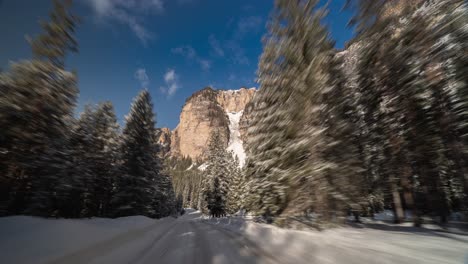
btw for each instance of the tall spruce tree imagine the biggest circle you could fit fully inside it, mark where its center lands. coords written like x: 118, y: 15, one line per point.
x: 37, y: 102
x: 234, y: 197
x: 286, y: 138
x: 59, y: 38
x: 410, y: 90
x: 215, y: 185
x: 96, y: 156
x: 107, y: 157
x: 138, y: 184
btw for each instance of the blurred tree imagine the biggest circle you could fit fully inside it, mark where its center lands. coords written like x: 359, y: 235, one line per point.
x: 410, y: 90
x: 58, y: 38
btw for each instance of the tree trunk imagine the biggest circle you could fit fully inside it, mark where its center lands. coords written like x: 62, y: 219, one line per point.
x: 397, y: 206
x: 408, y: 194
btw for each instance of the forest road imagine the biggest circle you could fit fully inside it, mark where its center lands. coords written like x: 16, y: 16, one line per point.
x: 172, y: 241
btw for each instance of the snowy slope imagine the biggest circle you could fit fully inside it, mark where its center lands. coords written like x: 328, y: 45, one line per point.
x: 235, y: 142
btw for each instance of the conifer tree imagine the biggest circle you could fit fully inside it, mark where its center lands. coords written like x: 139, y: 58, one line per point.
x: 285, y: 137
x: 37, y: 105
x: 58, y: 38
x: 234, y: 198
x: 107, y: 157
x: 410, y: 90
x: 37, y: 102
x: 215, y: 185
x: 138, y: 184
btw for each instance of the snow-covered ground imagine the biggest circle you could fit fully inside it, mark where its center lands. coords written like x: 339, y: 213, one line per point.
x: 195, y: 239
x: 235, y: 142
x: 126, y: 240
x: 25, y: 239
x: 386, y: 244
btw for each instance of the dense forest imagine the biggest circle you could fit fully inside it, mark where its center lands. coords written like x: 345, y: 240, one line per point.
x: 380, y: 125
x: 55, y: 165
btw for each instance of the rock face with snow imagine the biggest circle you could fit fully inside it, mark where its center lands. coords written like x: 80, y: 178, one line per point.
x: 207, y: 111
x: 235, y: 100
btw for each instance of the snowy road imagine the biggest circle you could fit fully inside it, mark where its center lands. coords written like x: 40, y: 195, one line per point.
x: 184, y: 240
x: 193, y: 239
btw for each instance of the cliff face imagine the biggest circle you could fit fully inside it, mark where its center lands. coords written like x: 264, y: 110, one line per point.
x: 245, y: 121
x: 204, y: 112
x: 235, y: 100
x: 164, y: 140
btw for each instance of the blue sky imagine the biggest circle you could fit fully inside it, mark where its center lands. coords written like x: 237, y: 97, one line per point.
x: 171, y: 47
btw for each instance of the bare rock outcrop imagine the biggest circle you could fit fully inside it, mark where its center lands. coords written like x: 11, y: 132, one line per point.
x: 203, y: 113
x: 164, y: 140
x: 235, y: 100
x: 201, y: 116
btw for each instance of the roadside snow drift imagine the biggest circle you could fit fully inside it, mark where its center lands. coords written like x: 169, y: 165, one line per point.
x: 406, y: 245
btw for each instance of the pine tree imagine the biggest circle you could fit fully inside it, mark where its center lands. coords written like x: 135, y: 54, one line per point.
x: 95, y: 143
x: 37, y: 101
x: 215, y: 184
x: 234, y: 198
x: 59, y: 35
x: 285, y: 137
x: 74, y: 191
x: 138, y: 184
x: 410, y: 90
x: 339, y: 118
x: 107, y: 157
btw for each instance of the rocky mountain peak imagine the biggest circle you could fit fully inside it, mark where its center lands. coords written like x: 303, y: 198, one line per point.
x: 206, y: 111
x: 234, y: 101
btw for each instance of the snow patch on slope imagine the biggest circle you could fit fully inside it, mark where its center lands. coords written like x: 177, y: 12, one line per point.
x: 237, y: 91
x: 235, y: 142
x: 203, y: 167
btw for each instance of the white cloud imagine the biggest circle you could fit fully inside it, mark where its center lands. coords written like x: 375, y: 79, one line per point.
x: 142, y: 77
x: 190, y: 53
x: 128, y: 12
x: 170, y: 76
x: 216, y: 46
x: 172, y: 83
x: 172, y: 89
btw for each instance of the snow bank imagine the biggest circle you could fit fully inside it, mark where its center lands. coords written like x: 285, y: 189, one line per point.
x: 25, y: 239
x: 235, y: 142
x: 203, y: 167
x: 351, y: 245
